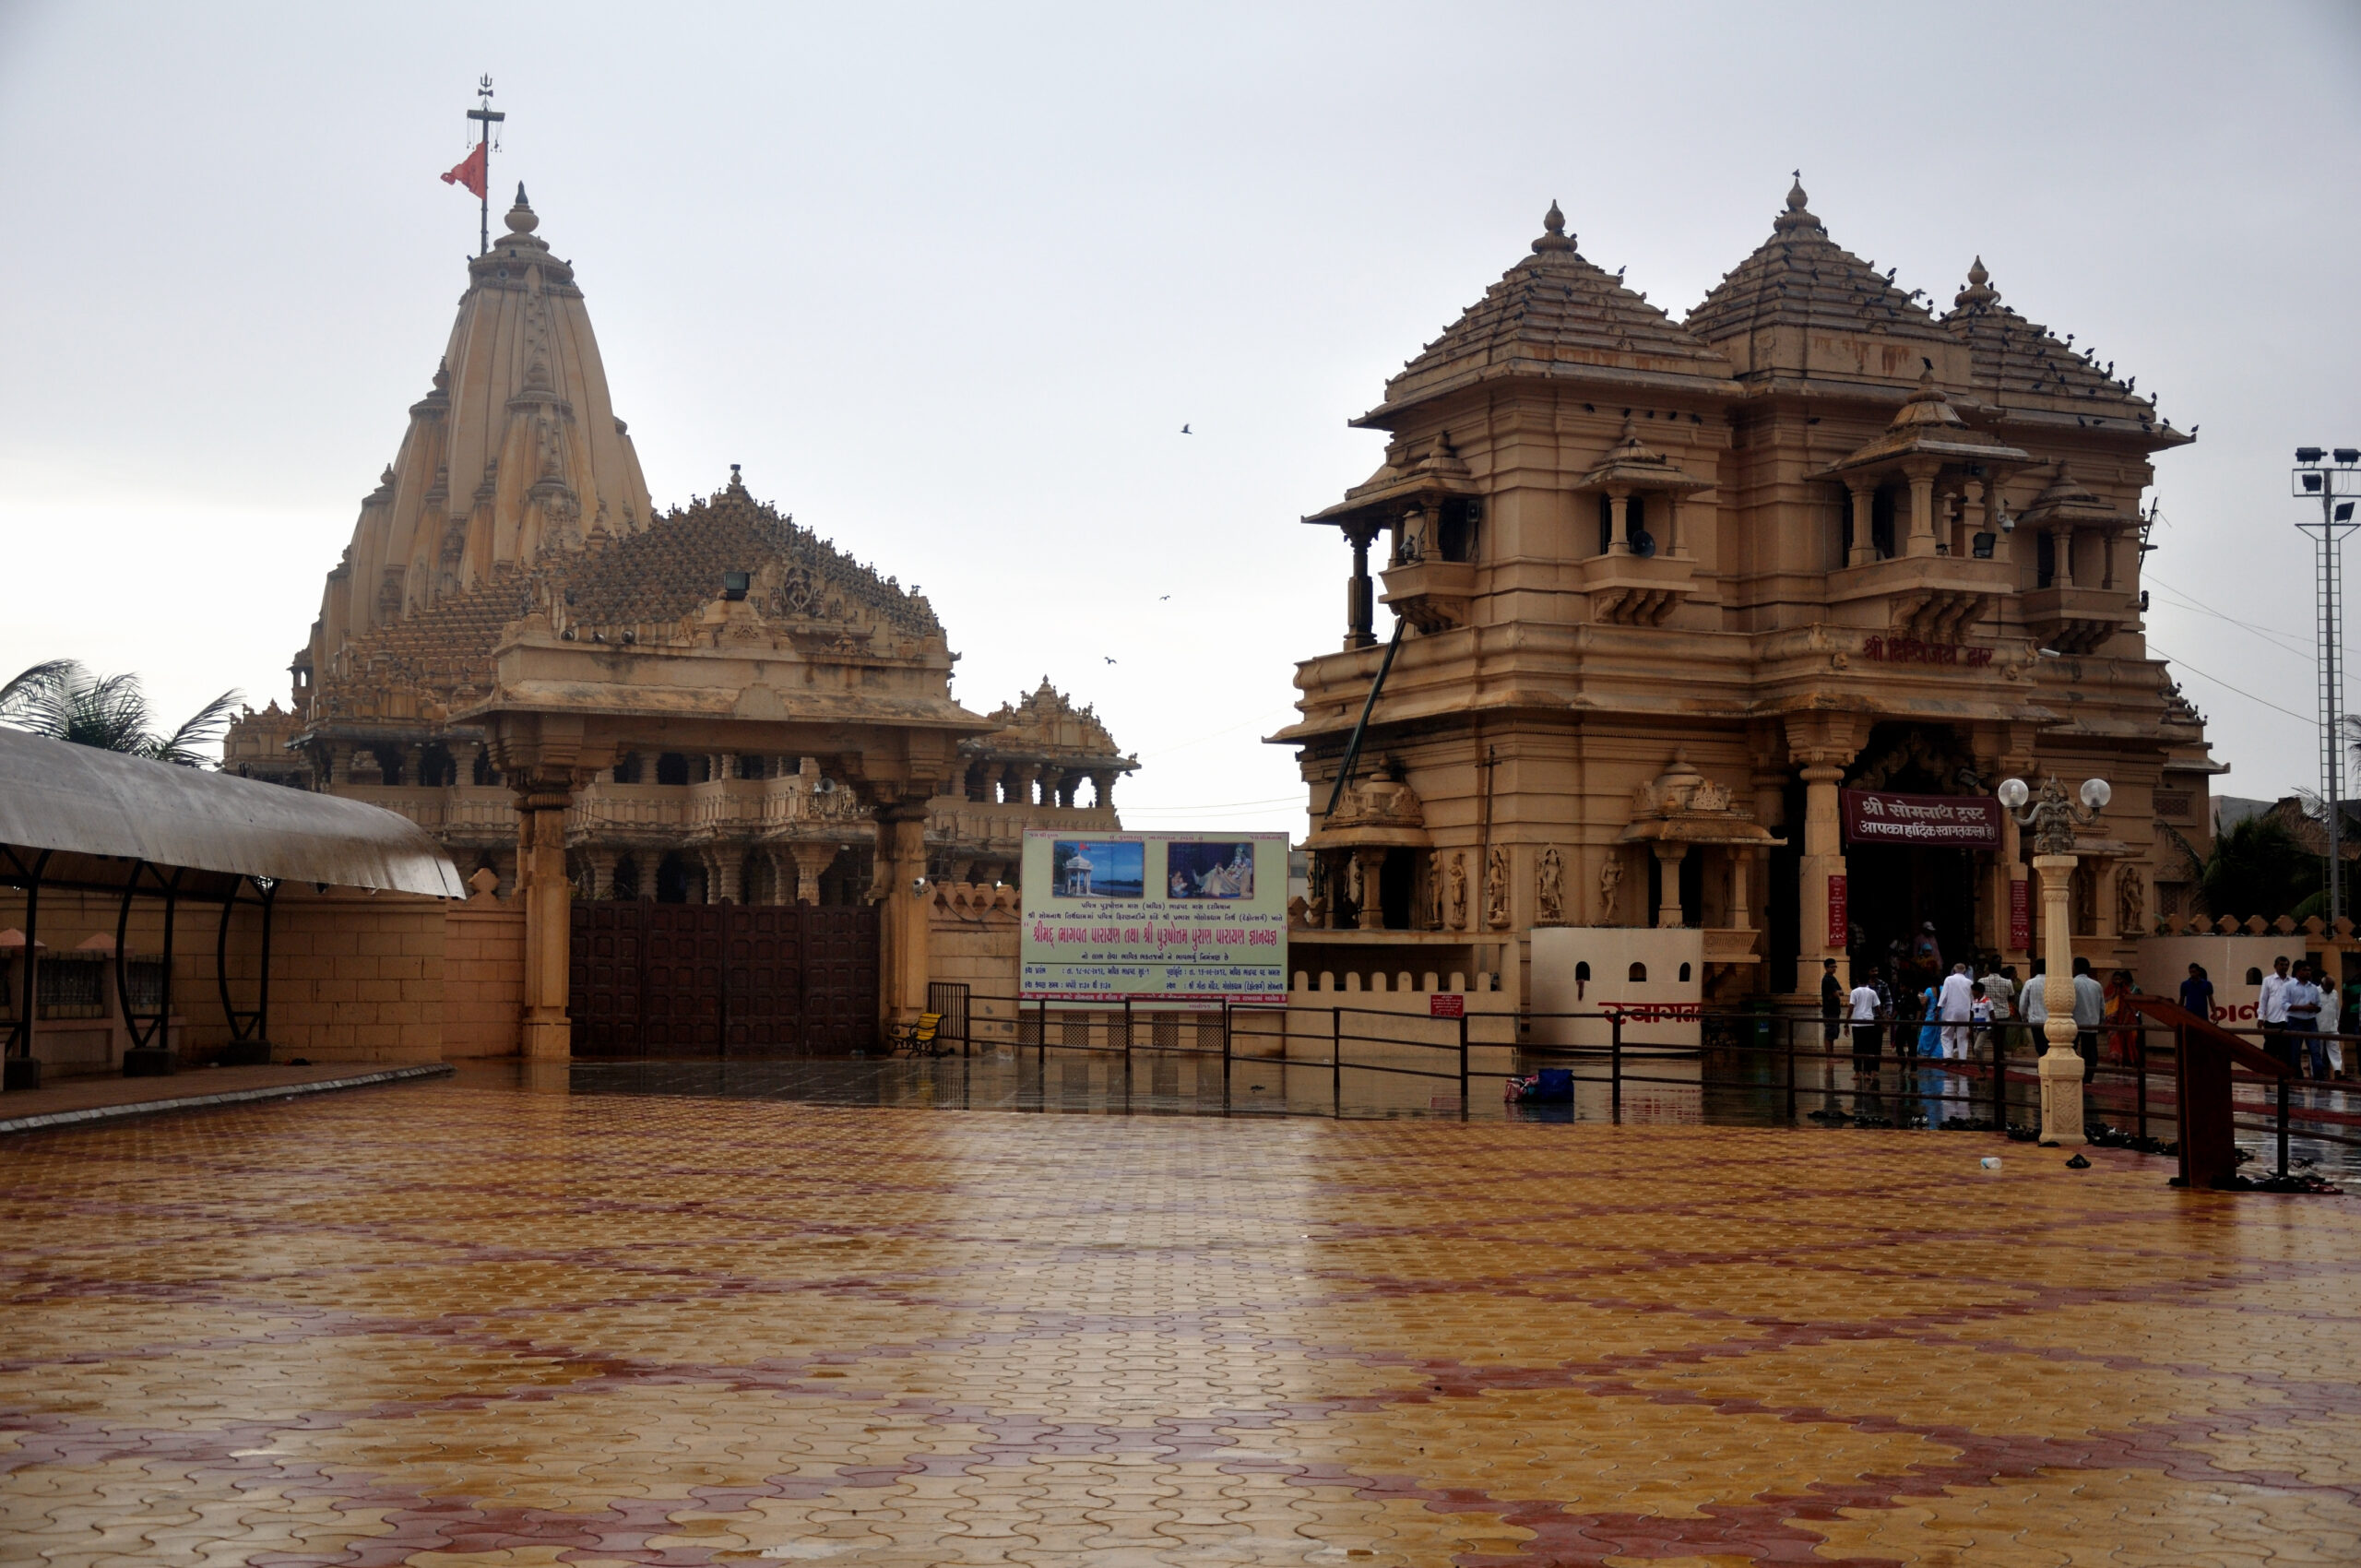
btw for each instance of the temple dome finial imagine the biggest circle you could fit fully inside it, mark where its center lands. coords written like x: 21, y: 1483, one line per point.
x: 1979, y: 289
x: 1797, y: 215
x: 521, y: 218
x: 1555, y: 238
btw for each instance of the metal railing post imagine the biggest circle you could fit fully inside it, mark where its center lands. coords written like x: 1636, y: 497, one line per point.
x: 1462, y: 1064
x: 2282, y: 1126
x: 2139, y: 1065
x: 1224, y: 1055
x: 1336, y: 1062
x: 1615, y: 1066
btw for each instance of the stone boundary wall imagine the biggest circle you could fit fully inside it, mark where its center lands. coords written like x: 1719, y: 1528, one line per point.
x: 483, y: 977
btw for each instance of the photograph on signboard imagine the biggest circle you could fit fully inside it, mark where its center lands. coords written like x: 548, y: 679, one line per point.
x: 1209, y: 868
x: 1099, y: 868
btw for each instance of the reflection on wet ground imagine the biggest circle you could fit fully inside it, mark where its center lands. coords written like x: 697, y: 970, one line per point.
x: 1715, y: 1088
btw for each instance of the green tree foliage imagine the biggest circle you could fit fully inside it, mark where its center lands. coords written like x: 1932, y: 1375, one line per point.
x: 61, y: 700
x: 2257, y: 868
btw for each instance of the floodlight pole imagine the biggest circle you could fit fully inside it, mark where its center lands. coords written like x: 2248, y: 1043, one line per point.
x: 2336, y: 488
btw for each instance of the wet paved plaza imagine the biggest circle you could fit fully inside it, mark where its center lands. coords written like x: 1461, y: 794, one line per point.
x: 473, y: 1322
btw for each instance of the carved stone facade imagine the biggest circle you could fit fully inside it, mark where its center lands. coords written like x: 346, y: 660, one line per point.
x: 1813, y: 536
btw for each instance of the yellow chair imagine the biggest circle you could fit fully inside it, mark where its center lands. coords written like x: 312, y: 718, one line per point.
x: 920, y: 1036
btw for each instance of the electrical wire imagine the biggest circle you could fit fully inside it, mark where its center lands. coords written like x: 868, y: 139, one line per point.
x: 2239, y: 691
x: 2266, y: 633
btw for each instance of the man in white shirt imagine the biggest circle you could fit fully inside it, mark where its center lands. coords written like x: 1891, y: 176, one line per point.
x: 1862, y: 1007
x: 2302, y: 1000
x: 2090, y: 1012
x: 2270, y: 1009
x: 2332, y: 1013
x: 1955, y: 1003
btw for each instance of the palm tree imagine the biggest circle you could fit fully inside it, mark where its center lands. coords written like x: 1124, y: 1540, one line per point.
x: 2257, y: 868
x: 63, y: 700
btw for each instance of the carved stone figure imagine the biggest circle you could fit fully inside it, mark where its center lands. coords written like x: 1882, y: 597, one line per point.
x: 1456, y: 916
x: 1549, y: 888
x: 1496, y: 889
x: 2131, y: 901
x: 1610, y: 888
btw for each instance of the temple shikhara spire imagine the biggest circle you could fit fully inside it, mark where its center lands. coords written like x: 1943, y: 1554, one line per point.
x: 513, y: 531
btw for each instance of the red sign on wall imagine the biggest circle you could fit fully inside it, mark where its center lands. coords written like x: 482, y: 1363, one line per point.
x: 2019, y: 915
x: 1447, y: 1004
x: 1840, y: 915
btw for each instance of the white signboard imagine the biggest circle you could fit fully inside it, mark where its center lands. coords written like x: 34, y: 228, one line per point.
x: 1174, y: 919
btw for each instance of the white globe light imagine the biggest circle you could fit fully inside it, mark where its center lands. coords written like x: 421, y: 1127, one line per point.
x: 2013, y: 793
x: 2096, y: 792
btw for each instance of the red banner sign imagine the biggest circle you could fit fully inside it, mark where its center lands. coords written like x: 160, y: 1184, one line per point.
x: 1840, y: 915
x: 1447, y: 1004
x: 1954, y: 821
x: 2019, y: 915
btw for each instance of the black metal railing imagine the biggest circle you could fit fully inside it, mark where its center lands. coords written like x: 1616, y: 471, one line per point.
x: 1765, y: 1058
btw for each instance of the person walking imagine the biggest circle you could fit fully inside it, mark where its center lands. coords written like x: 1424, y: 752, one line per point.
x: 1864, y: 1006
x: 1832, y: 1000
x: 2090, y: 1012
x: 1956, y: 1000
x: 2197, y: 994
x: 2271, y: 1010
x: 2330, y: 1023
x: 2302, y: 999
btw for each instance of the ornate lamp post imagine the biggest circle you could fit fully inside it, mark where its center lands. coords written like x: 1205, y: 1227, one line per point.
x: 2053, y: 819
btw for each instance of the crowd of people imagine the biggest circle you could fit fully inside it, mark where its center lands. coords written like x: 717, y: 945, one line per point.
x: 1910, y: 1010
x: 2302, y: 1014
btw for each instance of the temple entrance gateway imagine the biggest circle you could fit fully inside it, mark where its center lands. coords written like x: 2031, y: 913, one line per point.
x: 647, y: 978
x: 1896, y: 890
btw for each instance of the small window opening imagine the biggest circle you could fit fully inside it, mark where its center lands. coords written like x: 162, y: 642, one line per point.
x: 1639, y: 973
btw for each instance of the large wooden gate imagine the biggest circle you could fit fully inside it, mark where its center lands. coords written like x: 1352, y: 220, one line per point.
x: 722, y: 979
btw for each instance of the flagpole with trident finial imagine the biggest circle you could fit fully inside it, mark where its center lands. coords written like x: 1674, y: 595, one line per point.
x: 485, y: 115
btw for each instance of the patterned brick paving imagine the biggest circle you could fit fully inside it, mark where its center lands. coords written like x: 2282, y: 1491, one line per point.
x: 460, y: 1324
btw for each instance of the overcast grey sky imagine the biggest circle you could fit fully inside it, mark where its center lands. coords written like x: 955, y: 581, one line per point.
x: 949, y: 282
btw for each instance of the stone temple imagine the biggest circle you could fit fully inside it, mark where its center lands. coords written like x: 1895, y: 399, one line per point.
x: 517, y: 494
x: 1675, y: 595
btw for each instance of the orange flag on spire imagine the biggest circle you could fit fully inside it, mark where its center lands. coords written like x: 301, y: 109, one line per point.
x: 469, y: 171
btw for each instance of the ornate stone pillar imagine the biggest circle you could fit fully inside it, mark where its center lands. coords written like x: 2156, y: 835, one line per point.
x: 2061, y: 1069
x: 413, y: 766
x: 902, y: 915
x: 810, y: 859
x: 1102, y: 787
x: 1669, y: 859
x: 2061, y: 555
x: 1921, y: 473
x: 542, y: 803
x: 1372, y: 869
x: 1741, y: 908
x: 1824, y: 746
x: 993, y: 772
x: 1023, y: 775
x: 1864, y: 497
x: 725, y: 873
x: 1361, y: 598
x: 602, y: 860
x: 1618, y: 514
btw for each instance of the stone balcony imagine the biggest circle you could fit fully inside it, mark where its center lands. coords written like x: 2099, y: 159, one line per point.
x: 1935, y: 598
x: 2077, y: 620
x: 1431, y: 595
x: 721, y: 809
x: 1637, y: 591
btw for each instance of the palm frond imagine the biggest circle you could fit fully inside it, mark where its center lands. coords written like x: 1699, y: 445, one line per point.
x: 203, y: 729
x: 33, y: 699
